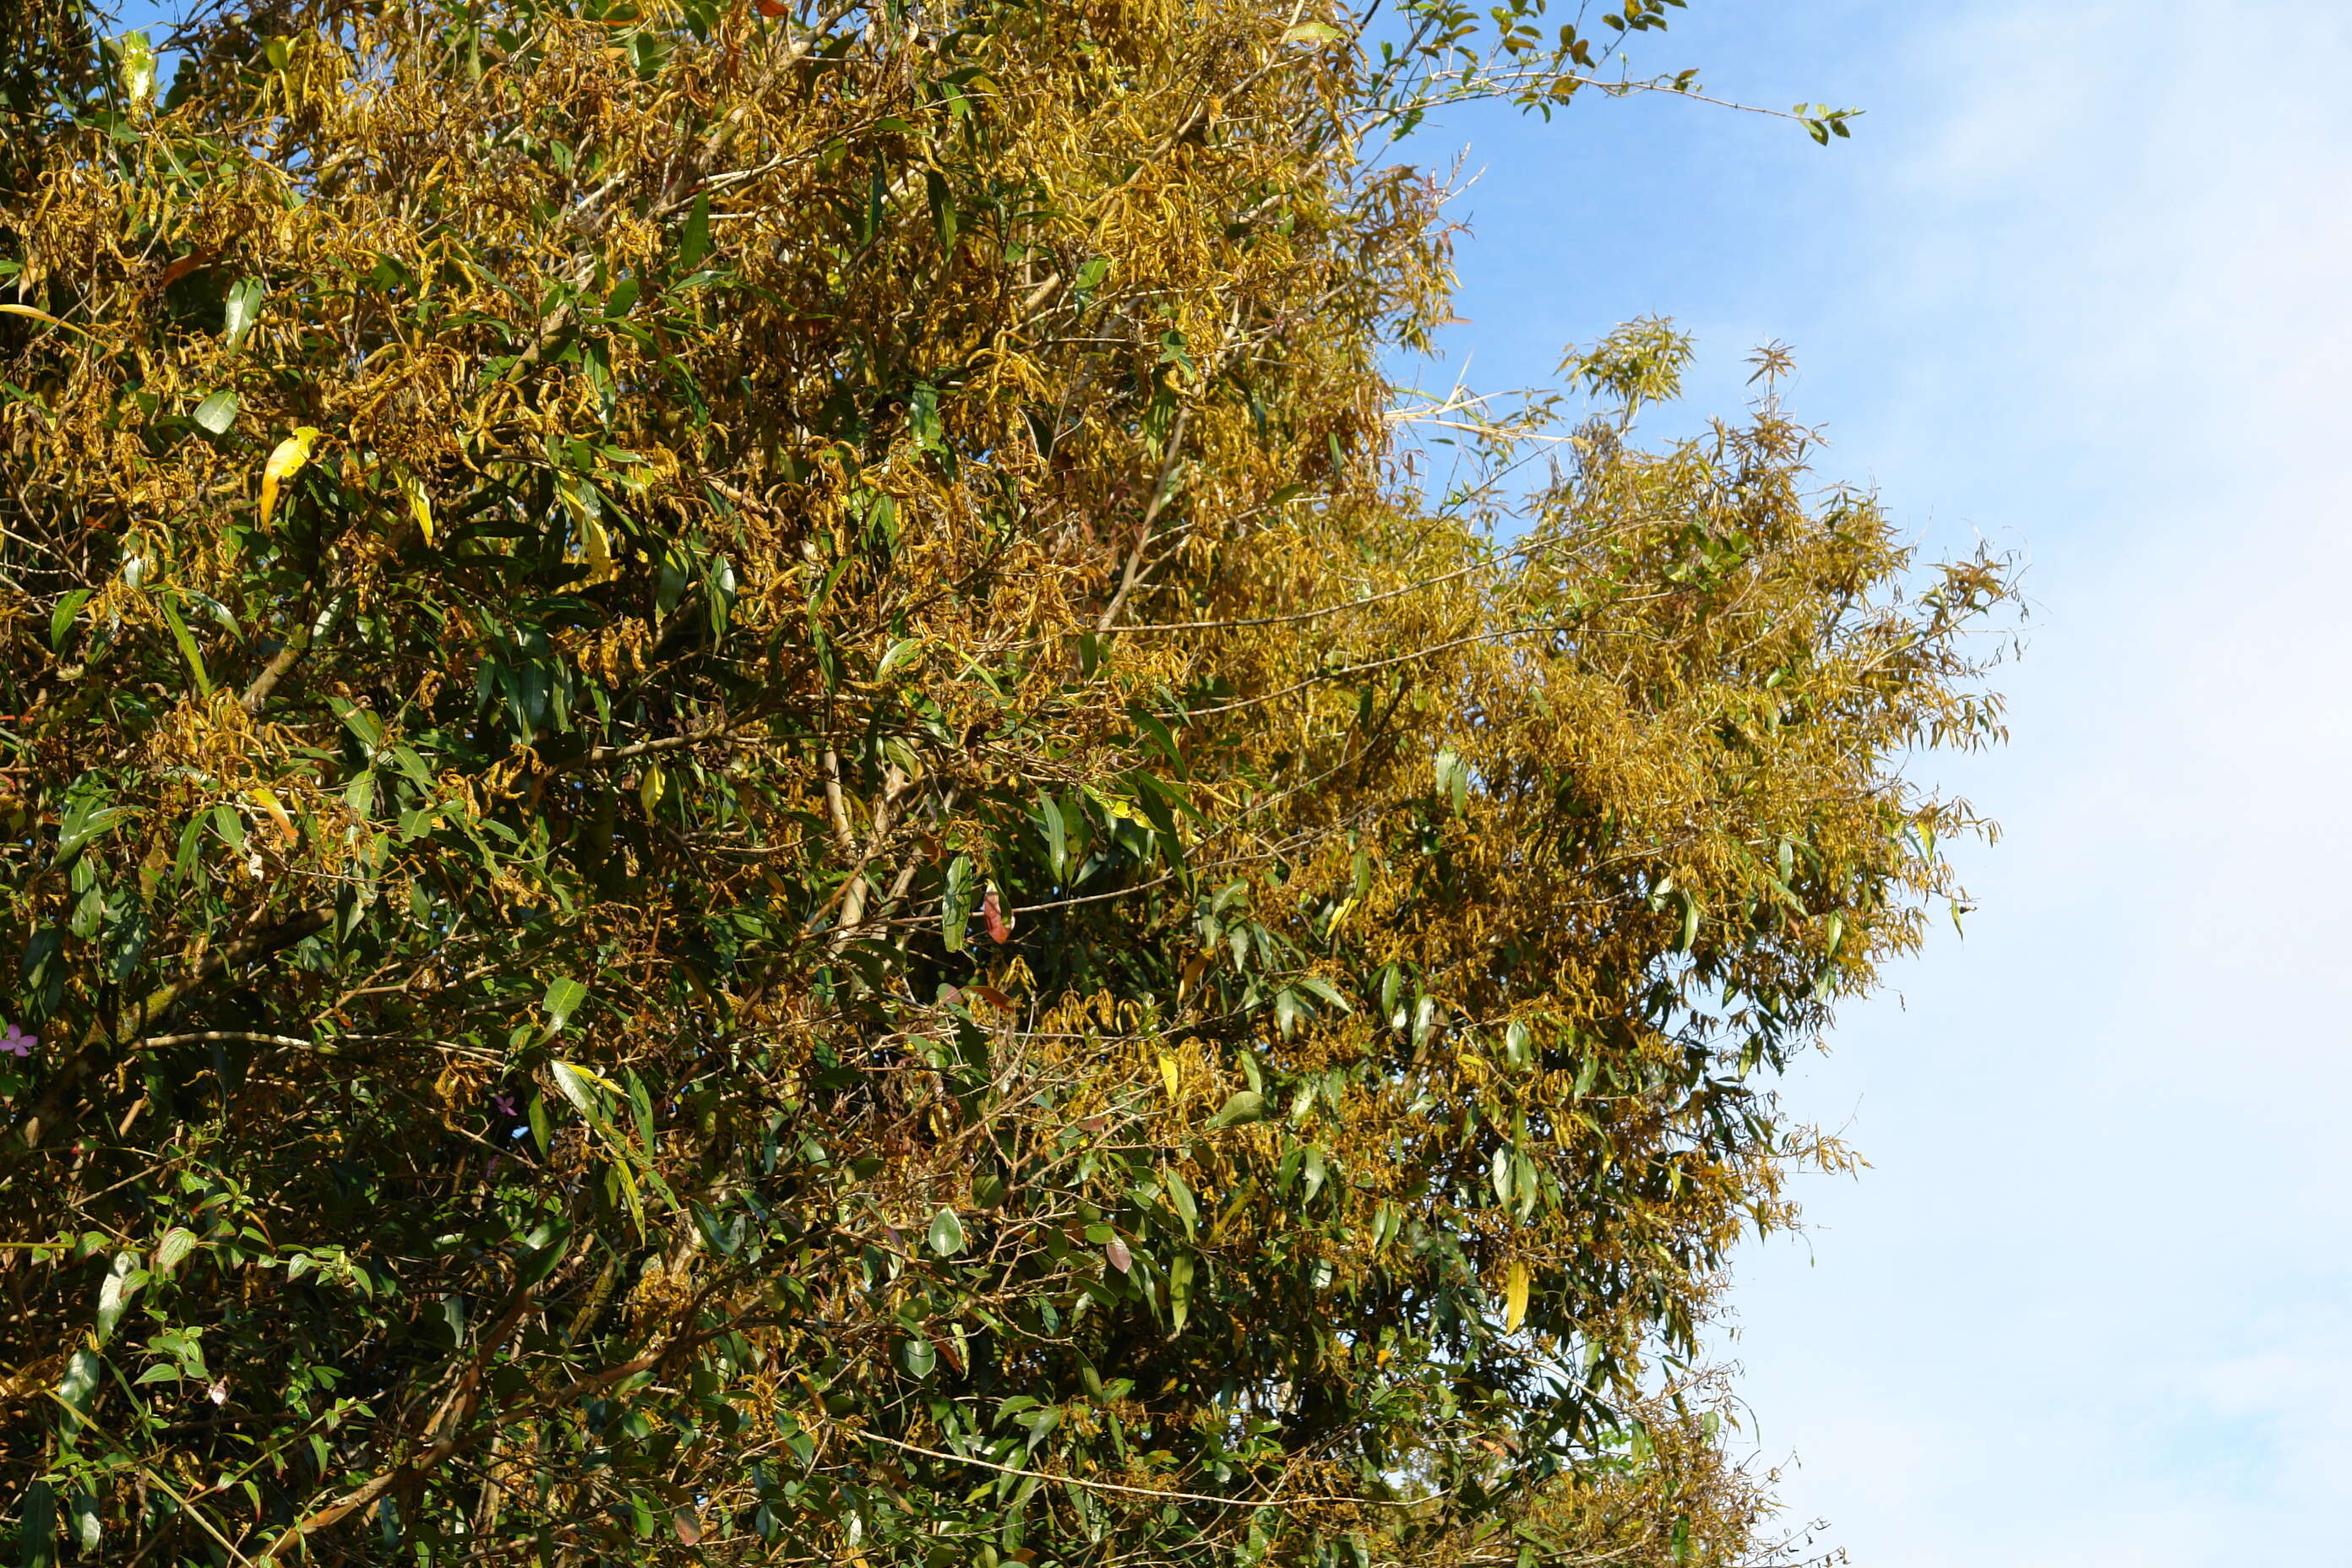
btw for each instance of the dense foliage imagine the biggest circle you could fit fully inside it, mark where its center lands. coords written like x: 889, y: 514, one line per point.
x: 754, y: 812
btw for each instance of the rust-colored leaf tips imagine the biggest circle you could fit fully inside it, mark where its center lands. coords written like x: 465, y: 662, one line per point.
x: 750, y: 814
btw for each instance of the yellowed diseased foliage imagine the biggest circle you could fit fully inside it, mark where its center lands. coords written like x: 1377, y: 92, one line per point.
x: 753, y: 814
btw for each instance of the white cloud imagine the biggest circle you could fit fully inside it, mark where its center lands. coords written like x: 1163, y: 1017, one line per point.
x: 2092, y: 1283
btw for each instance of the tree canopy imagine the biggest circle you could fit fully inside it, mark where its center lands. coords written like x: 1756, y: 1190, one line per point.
x: 757, y: 810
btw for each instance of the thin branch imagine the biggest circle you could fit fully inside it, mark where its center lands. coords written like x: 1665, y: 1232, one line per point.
x: 1151, y: 514
x: 226, y: 1036
x: 1320, y: 612
x: 1148, y: 1491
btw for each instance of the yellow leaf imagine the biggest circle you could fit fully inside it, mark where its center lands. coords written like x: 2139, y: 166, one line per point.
x: 420, y: 505
x: 32, y: 313
x: 1168, y: 1074
x: 1515, y: 1298
x: 1116, y: 805
x: 592, y: 1075
x: 286, y: 461
x: 268, y: 800
x: 597, y: 545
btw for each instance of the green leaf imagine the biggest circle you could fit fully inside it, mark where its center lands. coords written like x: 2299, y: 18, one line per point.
x: 563, y: 997
x: 1323, y: 991
x: 573, y: 1081
x: 37, y: 1528
x: 61, y: 619
x: 122, y: 1281
x: 946, y: 1233
x: 955, y: 906
x: 1243, y: 1106
x: 1453, y: 780
x: 1156, y: 731
x: 1057, y: 837
x: 1311, y: 33
x: 694, y: 239
x: 1180, y: 1292
x: 916, y: 1356
x: 1586, y: 1073
x: 945, y: 220
x: 243, y: 310
x: 1180, y: 1198
x: 174, y: 1249
x: 80, y: 1381
x: 137, y: 70
x: 87, y: 1531
x: 549, y: 1240
x: 641, y: 1108
x: 187, y: 645
x: 1040, y: 1424
x: 85, y: 821
x: 217, y: 413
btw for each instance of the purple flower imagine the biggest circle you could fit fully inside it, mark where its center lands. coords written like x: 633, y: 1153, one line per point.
x: 505, y: 1103
x: 18, y: 1042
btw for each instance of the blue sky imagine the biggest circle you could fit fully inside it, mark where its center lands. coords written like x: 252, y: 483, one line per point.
x: 2079, y: 287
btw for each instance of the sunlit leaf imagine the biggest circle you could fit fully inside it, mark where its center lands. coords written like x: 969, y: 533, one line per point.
x: 286, y: 460
x: 122, y: 1281
x: 563, y: 997
x: 177, y: 1243
x: 34, y: 314
x: 243, y: 308
x: 420, y: 505
x: 217, y: 412
x: 1245, y: 1105
x: 137, y: 69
